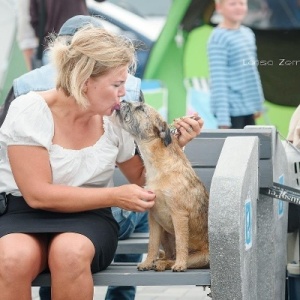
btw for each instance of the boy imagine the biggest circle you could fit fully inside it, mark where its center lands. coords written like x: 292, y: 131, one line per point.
x: 236, y: 90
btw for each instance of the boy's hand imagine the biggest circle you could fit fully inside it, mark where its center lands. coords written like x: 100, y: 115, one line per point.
x: 257, y: 115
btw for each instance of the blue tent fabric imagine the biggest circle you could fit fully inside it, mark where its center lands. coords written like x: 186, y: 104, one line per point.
x: 198, y: 100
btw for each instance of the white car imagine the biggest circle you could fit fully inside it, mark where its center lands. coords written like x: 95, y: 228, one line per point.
x: 144, y: 31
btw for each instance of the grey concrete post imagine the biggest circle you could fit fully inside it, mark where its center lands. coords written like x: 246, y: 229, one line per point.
x: 232, y: 221
x: 272, y: 216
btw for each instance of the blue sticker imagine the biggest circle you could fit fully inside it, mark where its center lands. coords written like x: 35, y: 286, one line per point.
x: 248, y: 224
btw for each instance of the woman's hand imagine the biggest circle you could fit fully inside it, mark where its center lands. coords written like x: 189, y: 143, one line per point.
x: 188, y: 128
x: 134, y: 198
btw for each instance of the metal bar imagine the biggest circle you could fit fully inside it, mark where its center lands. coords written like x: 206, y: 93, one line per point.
x: 282, y: 192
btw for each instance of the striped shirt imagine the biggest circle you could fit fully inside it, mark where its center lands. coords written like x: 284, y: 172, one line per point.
x: 236, y: 88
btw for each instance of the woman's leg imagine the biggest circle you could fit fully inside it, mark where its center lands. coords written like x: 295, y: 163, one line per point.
x: 22, y: 258
x: 70, y: 258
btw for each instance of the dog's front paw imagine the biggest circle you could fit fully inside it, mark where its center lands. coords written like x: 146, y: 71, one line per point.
x: 179, y: 267
x: 144, y: 266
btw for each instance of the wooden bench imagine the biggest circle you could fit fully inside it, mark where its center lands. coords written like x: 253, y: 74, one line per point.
x: 203, y: 153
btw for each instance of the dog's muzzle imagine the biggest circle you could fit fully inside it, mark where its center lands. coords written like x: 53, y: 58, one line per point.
x: 124, y: 110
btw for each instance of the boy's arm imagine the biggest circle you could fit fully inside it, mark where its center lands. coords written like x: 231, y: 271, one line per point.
x: 260, y: 103
x: 217, y: 55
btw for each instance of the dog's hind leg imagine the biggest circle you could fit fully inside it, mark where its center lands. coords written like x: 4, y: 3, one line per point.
x: 153, y: 246
x: 168, y: 245
x: 198, y: 260
x: 167, y: 261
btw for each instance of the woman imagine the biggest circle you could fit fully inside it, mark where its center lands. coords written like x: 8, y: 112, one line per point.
x: 59, y: 151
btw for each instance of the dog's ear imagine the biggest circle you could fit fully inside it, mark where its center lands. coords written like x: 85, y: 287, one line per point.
x: 165, y: 134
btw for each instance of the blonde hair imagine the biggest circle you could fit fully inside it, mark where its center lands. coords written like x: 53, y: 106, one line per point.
x: 92, y: 52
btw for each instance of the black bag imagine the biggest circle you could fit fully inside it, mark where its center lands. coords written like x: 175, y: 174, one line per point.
x: 293, y: 217
x: 3, y: 204
x: 37, y: 58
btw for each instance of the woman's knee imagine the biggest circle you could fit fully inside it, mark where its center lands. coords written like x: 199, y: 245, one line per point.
x: 70, y: 251
x: 17, y: 259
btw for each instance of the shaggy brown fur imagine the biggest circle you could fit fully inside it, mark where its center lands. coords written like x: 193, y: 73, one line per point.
x: 179, y: 219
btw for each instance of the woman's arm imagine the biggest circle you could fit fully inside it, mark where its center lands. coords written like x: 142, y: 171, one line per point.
x: 134, y: 170
x: 32, y: 172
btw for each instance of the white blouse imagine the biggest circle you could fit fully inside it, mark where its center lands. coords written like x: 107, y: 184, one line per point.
x: 29, y: 122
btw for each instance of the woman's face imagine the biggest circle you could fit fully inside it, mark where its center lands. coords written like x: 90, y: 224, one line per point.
x: 104, y: 92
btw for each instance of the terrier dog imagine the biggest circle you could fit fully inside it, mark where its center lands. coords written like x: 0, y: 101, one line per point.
x: 178, y: 222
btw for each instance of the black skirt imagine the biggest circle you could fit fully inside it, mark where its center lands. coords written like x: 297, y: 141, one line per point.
x: 97, y: 225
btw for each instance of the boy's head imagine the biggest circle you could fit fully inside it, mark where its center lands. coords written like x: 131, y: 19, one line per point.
x: 232, y: 11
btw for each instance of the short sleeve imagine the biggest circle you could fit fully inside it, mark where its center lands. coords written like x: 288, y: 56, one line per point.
x: 126, y: 147
x: 121, y: 139
x: 28, y: 122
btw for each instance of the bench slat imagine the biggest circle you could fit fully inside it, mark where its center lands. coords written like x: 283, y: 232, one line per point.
x: 265, y: 174
x: 134, y: 245
x: 130, y: 276
x: 264, y: 134
x: 205, y: 152
x: 139, y: 235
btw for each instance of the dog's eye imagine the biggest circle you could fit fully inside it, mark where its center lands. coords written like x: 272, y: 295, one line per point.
x: 140, y: 107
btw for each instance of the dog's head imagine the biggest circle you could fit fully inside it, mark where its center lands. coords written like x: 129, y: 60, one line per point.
x: 143, y: 122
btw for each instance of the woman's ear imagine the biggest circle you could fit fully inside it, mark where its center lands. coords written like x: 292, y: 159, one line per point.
x: 85, y: 86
